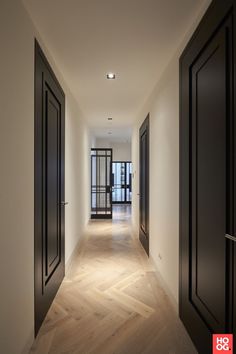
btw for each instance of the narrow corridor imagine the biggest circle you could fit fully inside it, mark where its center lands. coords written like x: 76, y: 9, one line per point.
x: 110, y: 300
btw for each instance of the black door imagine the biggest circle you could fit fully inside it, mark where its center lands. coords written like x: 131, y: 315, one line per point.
x: 49, y: 186
x: 144, y: 184
x: 121, y: 182
x: 206, y: 177
x: 101, y: 167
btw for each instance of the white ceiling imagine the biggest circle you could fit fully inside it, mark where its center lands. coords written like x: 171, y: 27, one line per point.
x: 133, y: 38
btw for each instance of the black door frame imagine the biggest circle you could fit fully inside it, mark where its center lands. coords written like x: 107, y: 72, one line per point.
x: 144, y: 234
x: 201, y: 335
x: 40, y: 305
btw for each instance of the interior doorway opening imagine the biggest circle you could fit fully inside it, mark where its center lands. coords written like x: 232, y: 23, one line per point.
x: 111, y: 183
x: 121, y: 182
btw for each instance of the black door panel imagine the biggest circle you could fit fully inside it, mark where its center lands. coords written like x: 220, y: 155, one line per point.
x: 49, y: 186
x: 208, y: 187
x: 206, y: 177
x: 144, y: 184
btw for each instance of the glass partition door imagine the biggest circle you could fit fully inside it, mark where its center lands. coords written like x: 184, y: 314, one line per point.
x: 101, y: 165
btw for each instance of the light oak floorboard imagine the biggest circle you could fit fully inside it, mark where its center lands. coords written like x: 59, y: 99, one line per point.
x: 111, y: 302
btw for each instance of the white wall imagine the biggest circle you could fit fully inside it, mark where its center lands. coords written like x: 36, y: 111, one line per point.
x: 17, y: 176
x: 77, y: 175
x: 121, y: 150
x: 163, y: 105
x: 17, y: 188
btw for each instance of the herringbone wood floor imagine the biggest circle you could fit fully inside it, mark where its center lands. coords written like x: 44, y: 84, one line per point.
x: 110, y: 302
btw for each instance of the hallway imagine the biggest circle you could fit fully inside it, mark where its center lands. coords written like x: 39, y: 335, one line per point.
x: 110, y: 102
x: 110, y: 300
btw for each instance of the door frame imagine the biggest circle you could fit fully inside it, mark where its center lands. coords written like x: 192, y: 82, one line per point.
x: 40, y: 309
x: 209, y: 24
x: 144, y: 238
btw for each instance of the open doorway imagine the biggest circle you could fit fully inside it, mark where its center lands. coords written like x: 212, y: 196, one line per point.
x: 111, y: 184
x: 121, y: 182
x: 111, y: 174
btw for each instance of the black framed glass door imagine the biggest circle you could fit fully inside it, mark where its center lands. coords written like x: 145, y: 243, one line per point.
x: 101, y: 198
x: 121, y: 182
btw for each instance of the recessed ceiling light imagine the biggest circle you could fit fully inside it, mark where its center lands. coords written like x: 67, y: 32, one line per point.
x: 109, y: 118
x: 111, y: 76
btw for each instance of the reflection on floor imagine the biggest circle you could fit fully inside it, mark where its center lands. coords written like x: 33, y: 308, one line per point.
x: 110, y: 301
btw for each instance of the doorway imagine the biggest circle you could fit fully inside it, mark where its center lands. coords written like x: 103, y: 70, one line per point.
x: 121, y: 182
x: 49, y: 168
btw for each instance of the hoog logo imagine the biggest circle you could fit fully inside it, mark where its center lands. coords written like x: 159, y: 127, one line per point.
x: 222, y: 343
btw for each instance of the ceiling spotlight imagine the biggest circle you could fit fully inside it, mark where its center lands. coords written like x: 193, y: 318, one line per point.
x: 109, y: 118
x: 111, y: 76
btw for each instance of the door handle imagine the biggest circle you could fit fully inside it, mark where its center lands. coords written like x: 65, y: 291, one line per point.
x: 230, y: 237
x: 64, y: 203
